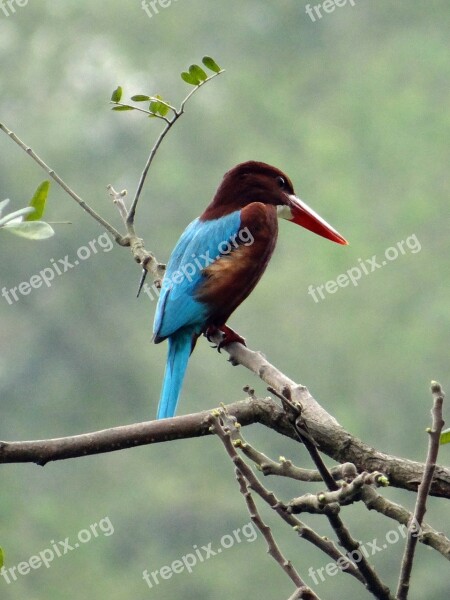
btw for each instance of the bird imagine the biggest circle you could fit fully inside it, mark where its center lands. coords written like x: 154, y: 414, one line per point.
x: 218, y: 261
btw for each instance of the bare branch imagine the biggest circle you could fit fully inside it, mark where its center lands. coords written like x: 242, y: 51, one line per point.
x: 330, y: 436
x: 169, y: 124
x: 424, y: 489
x: 325, y: 545
x: 331, y: 510
x: 346, y: 472
x: 401, y: 472
x: 322, y: 502
x: 293, y: 411
x: 285, y: 467
x: 303, y: 591
x: 428, y: 536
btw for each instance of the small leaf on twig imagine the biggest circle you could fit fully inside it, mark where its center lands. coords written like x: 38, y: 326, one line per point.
x: 32, y: 230
x: 445, y: 437
x: 211, y: 64
x: 189, y: 78
x: 117, y: 94
x: 198, y: 73
x: 158, y: 108
x: 38, y: 202
x: 140, y: 98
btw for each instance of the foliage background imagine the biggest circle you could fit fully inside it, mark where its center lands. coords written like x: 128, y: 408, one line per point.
x: 354, y: 107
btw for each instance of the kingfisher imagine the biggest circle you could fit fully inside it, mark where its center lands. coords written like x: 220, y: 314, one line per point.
x: 219, y: 259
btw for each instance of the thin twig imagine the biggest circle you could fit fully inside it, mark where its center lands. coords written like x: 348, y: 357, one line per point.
x: 333, y: 439
x: 143, y: 110
x: 347, y: 472
x: 303, y: 590
x: 285, y: 467
x: 325, y: 545
x: 117, y: 236
x: 169, y: 124
x: 262, y: 411
x: 424, y: 489
x: 304, y: 435
x: 156, y: 145
x: 345, y: 495
x: 373, y: 581
x: 428, y: 536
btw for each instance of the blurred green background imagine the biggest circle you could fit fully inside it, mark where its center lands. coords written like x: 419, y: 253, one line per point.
x: 354, y: 107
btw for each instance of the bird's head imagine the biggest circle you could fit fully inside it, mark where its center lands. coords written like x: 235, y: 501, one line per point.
x: 259, y: 182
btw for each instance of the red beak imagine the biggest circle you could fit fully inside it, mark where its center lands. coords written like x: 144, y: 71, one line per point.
x: 303, y: 215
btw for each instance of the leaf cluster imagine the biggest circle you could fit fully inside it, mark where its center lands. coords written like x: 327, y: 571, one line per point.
x: 157, y: 106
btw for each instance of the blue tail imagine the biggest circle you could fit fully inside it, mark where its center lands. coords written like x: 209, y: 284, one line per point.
x: 180, y: 345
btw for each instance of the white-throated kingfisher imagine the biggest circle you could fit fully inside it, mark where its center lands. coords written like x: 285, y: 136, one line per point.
x: 219, y: 259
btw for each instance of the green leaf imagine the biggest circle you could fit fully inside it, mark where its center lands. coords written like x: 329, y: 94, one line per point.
x: 32, y: 230
x: 163, y: 109
x: 188, y: 78
x: 123, y: 108
x: 2, y: 558
x: 445, y: 437
x: 211, y: 64
x: 38, y: 202
x: 198, y: 73
x: 158, y: 107
x: 140, y: 98
x: 117, y: 94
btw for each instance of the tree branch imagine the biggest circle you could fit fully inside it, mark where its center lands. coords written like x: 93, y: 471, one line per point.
x: 402, y: 473
x: 345, y: 495
x: 330, y: 436
x: 331, y: 510
x: 428, y: 536
x: 346, y: 472
x: 415, y: 524
x: 224, y: 432
x: 303, y: 591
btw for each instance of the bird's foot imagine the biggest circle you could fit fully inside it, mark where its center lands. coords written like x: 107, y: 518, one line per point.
x: 229, y: 336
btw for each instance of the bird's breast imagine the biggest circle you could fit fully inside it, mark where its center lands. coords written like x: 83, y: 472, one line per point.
x: 232, y: 276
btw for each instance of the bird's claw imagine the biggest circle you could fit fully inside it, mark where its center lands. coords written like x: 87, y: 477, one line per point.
x: 228, y: 336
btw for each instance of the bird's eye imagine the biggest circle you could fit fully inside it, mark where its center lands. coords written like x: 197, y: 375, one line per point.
x: 281, y: 182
